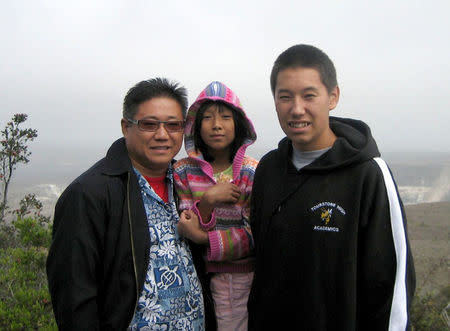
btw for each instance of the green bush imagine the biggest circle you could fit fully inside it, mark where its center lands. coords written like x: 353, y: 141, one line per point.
x: 426, y: 313
x: 8, y: 236
x: 427, y: 307
x: 33, y: 233
x: 24, y: 298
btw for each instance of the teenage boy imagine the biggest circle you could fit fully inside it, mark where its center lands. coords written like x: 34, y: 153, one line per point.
x: 330, y: 231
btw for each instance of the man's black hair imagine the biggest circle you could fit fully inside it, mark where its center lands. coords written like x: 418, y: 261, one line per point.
x: 153, y: 88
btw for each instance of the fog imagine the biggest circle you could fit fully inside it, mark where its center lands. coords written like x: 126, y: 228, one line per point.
x: 68, y: 66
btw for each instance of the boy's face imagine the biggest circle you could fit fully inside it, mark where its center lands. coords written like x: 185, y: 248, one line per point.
x: 303, y: 104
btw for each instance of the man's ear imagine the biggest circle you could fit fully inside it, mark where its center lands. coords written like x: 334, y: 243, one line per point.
x: 334, y: 98
x: 125, y: 125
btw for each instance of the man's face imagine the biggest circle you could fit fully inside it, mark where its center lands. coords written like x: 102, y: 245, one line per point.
x: 303, y: 105
x: 151, y: 152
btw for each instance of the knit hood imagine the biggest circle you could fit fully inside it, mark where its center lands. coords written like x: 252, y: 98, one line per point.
x: 216, y: 91
x: 354, y: 144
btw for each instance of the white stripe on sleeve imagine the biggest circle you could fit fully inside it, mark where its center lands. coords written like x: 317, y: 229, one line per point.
x: 399, y: 317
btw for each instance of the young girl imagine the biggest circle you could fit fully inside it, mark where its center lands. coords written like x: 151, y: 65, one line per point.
x: 215, y: 181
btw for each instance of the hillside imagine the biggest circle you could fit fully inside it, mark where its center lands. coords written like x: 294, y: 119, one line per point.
x: 429, y: 234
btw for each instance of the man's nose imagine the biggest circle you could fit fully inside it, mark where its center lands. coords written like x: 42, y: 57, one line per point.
x: 161, y: 132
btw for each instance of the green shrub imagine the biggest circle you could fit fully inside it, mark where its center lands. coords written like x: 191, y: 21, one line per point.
x: 426, y: 314
x: 427, y: 307
x: 24, y: 298
x: 8, y: 236
x: 33, y: 233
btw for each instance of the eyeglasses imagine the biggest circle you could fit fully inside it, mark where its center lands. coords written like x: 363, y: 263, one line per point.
x: 153, y: 125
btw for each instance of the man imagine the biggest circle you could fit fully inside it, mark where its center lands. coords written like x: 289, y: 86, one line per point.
x: 116, y: 260
x: 329, y: 227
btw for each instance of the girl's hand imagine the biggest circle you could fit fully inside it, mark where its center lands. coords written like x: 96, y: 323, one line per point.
x: 189, y: 227
x: 222, y: 193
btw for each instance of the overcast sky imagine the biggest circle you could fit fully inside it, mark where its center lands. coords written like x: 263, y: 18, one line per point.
x: 68, y: 64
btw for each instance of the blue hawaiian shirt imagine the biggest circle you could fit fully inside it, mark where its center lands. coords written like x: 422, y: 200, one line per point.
x: 172, y: 297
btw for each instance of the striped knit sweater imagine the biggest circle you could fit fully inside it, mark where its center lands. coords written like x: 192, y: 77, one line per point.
x: 230, y: 240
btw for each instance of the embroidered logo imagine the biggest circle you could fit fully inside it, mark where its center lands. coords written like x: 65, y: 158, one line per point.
x: 326, y: 215
x: 324, y: 211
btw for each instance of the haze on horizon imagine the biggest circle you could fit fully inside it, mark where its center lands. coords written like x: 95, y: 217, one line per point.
x: 68, y: 65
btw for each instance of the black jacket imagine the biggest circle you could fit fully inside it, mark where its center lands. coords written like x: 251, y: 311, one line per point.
x: 99, y: 256
x: 331, y: 243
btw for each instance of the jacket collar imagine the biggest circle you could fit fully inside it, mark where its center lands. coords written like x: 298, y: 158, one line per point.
x: 354, y: 145
x: 285, y: 156
x: 117, y: 161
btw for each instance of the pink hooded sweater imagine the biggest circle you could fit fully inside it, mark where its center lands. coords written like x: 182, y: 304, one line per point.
x: 230, y: 239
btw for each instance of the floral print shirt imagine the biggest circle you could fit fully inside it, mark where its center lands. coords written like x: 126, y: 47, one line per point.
x: 172, y: 297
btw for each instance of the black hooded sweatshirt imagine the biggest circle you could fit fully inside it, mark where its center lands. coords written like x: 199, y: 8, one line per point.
x: 331, y: 244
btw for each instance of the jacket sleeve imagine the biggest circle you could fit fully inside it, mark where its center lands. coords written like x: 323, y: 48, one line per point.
x: 233, y: 243
x: 256, y: 203
x: 386, y: 277
x: 182, y: 188
x: 187, y: 201
x: 74, y: 259
x: 256, y: 225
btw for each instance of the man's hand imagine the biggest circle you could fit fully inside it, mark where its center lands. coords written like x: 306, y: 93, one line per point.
x: 189, y: 227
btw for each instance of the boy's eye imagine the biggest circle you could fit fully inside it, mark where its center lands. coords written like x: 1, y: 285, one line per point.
x: 284, y: 97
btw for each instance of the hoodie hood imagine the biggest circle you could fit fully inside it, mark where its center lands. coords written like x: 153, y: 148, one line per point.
x: 215, y: 91
x: 354, y: 144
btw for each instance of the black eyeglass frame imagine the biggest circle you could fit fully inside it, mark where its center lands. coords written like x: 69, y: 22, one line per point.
x: 167, y: 128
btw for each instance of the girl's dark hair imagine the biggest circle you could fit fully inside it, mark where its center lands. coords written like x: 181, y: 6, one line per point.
x: 242, y: 130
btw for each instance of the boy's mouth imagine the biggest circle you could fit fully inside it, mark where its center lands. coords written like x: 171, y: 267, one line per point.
x: 297, y: 125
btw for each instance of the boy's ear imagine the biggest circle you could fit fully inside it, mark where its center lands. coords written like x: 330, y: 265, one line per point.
x: 334, y: 98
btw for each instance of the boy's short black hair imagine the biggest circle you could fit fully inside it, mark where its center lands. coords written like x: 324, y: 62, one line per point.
x: 306, y: 56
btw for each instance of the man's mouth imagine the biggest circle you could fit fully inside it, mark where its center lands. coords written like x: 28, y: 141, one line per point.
x: 161, y: 148
x: 298, y: 125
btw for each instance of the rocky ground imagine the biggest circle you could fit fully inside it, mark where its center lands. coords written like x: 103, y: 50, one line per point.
x: 429, y: 234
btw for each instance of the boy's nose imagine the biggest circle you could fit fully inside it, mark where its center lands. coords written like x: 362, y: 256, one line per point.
x: 298, y: 107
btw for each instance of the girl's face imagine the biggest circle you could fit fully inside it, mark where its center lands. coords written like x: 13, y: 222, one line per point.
x: 217, y: 130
